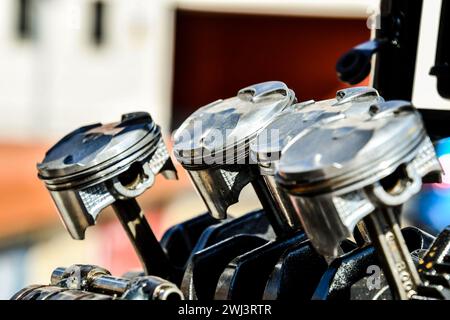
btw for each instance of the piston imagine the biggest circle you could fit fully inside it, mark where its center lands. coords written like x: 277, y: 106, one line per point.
x: 213, y: 146
x: 100, y: 165
x: 267, y: 147
x: 360, y: 165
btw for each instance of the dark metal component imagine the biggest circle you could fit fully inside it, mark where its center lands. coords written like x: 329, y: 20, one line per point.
x: 110, y: 285
x: 24, y: 292
x: 434, y: 269
x: 442, y: 68
x: 337, y: 171
x: 347, y: 275
x: 221, y: 243
x: 394, y: 68
x: 99, y: 10
x: 150, y: 252
x: 395, y: 64
x: 253, y: 223
x: 355, y: 65
x: 375, y: 286
x: 179, y: 242
x: 245, y: 277
x: 395, y: 44
x: 436, y: 123
x: 434, y: 291
x: 270, y: 207
x: 207, y: 265
x: 296, y: 274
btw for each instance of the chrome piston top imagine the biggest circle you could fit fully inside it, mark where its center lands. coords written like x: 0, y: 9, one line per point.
x: 271, y: 140
x: 219, y: 133
x: 84, y: 170
x: 337, y: 169
x: 353, y: 152
x: 213, y: 144
x: 94, y: 153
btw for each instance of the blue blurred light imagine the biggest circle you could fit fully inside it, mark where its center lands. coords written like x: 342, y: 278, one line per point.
x: 434, y: 200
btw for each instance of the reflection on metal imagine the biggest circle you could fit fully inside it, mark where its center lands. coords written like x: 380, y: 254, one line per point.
x: 87, y: 282
x: 213, y: 145
x: 362, y: 165
x: 100, y: 165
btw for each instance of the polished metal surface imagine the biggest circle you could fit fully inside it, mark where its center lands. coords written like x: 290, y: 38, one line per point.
x: 89, y: 282
x: 211, y: 134
x: 56, y: 293
x: 334, y: 169
x: 305, y: 116
x: 386, y: 236
x: 80, y: 156
x: 83, y: 170
x: 298, y: 119
x: 213, y: 144
x: 366, y: 160
x: 344, y: 153
x: 111, y: 164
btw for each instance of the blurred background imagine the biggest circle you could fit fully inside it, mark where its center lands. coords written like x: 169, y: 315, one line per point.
x: 67, y: 63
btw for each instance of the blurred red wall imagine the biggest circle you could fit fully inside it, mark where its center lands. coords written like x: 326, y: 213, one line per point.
x: 217, y: 54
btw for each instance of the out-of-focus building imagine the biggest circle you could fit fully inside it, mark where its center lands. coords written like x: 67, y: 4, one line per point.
x: 70, y: 62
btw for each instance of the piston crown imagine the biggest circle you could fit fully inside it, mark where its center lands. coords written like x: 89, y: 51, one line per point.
x: 357, y: 147
x: 303, y: 117
x: 97, y: 147
x: 224, y: 128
